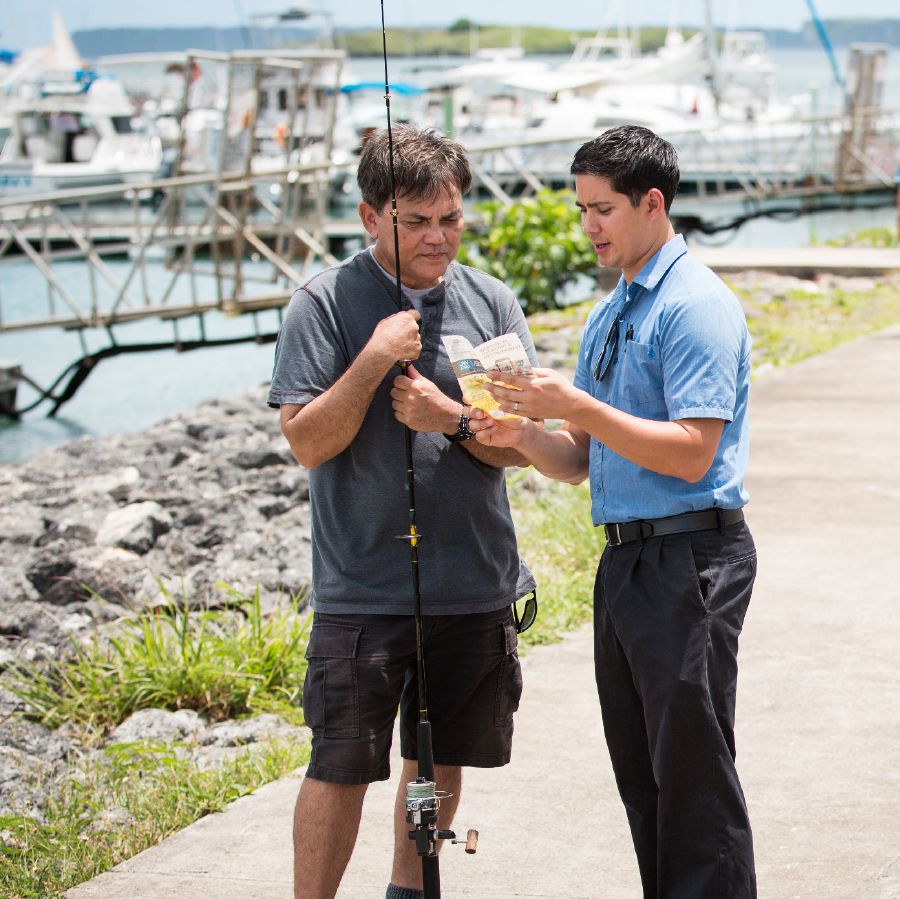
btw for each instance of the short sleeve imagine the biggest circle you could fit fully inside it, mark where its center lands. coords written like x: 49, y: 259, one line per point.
x: 309, y: 354
x: 701, y: 343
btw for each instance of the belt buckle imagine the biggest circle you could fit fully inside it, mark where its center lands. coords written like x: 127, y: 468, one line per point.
x: 613, y: 535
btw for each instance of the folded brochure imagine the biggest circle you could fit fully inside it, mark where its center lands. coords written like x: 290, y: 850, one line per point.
x: 486, y: 362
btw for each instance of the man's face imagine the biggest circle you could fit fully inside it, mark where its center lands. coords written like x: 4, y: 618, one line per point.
x: 429, y: 235
x: 624, y: 236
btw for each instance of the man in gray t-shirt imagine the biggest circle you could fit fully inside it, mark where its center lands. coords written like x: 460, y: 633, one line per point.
x: 343, y: 410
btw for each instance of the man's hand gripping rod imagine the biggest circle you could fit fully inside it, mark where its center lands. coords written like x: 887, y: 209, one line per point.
x: 423, y: 800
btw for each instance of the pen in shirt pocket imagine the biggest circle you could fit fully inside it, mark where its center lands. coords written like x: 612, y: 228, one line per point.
x: 629, y: 333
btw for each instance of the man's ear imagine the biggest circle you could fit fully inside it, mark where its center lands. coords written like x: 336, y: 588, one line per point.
x: 368, y: 216
x: 656, y: 204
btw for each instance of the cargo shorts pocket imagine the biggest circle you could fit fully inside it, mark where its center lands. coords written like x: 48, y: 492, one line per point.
x: 509, y: 678
x: 331, y: 688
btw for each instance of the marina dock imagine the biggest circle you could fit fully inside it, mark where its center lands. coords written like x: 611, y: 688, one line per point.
x: 238, y: 236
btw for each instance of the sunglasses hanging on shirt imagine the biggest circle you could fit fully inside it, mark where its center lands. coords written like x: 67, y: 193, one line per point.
x: 609, y: 352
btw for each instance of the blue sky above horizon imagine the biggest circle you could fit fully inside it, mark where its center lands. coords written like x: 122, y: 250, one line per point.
x: 25, y: 25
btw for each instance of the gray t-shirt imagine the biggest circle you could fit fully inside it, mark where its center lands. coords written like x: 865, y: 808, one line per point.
x: 468, y: 559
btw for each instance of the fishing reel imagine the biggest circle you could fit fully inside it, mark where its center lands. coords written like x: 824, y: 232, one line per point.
x: 422, y: 804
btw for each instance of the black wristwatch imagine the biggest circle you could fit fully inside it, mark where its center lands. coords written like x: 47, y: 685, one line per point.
x: 463, y: 432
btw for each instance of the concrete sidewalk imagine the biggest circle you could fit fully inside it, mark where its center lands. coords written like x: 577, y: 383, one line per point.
x: 818, y: 730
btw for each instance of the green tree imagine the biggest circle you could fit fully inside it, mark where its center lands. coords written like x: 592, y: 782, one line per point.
x: 536, y: 246
x: 462, y: 25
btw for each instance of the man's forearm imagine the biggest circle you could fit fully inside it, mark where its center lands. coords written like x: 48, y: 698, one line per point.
x: 681, y: 449
x: 498, y: 456
x: 327, y: 425
x: 560, y: 455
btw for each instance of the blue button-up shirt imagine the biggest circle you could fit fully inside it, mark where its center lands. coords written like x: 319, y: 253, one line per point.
x: 683, y: 351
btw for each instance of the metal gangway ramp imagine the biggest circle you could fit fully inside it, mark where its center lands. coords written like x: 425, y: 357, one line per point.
x: 237, y: 225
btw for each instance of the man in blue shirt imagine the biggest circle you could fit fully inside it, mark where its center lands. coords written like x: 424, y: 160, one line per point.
x: 657, y: 418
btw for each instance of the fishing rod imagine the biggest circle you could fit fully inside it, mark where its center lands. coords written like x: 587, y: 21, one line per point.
x: 423, y: 800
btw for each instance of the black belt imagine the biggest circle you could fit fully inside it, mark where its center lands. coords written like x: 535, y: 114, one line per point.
x: 617, y: 534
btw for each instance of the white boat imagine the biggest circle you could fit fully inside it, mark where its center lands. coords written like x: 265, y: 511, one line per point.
x: 718, y: 110
x: 602, y: 60
x: 63, y: 127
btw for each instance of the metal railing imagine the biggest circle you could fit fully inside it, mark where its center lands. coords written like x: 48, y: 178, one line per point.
x: 188, y: 227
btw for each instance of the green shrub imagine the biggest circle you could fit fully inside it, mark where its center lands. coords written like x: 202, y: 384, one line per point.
x: 536, y: 246
x: 871, y: 237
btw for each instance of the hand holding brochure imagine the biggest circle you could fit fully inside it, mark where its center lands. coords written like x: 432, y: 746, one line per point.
x: 486, y: 362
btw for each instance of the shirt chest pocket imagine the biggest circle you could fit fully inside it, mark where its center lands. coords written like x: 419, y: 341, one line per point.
x: 639, y: 379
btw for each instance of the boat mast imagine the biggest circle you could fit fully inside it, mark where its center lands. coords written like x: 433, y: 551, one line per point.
x: 712, y: 52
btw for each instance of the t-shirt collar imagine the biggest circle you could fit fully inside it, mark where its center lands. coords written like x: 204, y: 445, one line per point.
x: 435, y: 295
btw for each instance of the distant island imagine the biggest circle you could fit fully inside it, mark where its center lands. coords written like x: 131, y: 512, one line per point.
x: 452, y: 40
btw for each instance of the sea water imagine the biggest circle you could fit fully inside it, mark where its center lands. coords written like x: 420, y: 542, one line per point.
x: 132, y: 392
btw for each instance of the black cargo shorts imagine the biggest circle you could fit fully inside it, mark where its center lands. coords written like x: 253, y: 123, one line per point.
x: 363, y: 667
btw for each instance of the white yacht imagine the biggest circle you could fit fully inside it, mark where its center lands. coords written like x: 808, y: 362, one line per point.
x: 65, y: 127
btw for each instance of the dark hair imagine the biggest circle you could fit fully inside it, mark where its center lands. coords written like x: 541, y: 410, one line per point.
x: 425, y: 163
x: 634, y: 160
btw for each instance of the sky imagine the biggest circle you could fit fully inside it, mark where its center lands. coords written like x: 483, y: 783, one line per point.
x: 25, y: 24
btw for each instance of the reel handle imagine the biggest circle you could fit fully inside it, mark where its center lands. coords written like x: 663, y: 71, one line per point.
x: 471, y: 840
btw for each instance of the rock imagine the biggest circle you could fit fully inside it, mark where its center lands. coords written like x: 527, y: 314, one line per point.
x: 118, y: 484
x: 21, y: 523
x: 273, y: 509
x: 258, y: 459
x: 111, y: 573
x: 158, y: 724
x: 110, y: 820
x: 209, y: 538
x: 227, y: 741
x: 20, y: 776
x: 249, y: 730
x: 47, y: 566
x: 33, y: 739
x: 14, y: 588
x: 99, y: 528
x: 135, y: 527
x: 66, y: 531
x: 85, y: 572
x: 9, y: 704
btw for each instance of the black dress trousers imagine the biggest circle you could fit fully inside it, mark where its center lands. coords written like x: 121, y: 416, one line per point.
x: 668, y: 612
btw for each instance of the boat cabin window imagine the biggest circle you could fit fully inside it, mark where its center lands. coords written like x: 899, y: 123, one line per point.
x: 58, y: 137
x: 122, y: 124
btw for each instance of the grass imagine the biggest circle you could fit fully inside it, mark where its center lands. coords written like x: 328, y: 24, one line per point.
x: 110, y: 809
x: 562, y: 548
x: 789, y: 319
x: 222, y: 664
x: 796, y: 323
x: 871, y: 237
